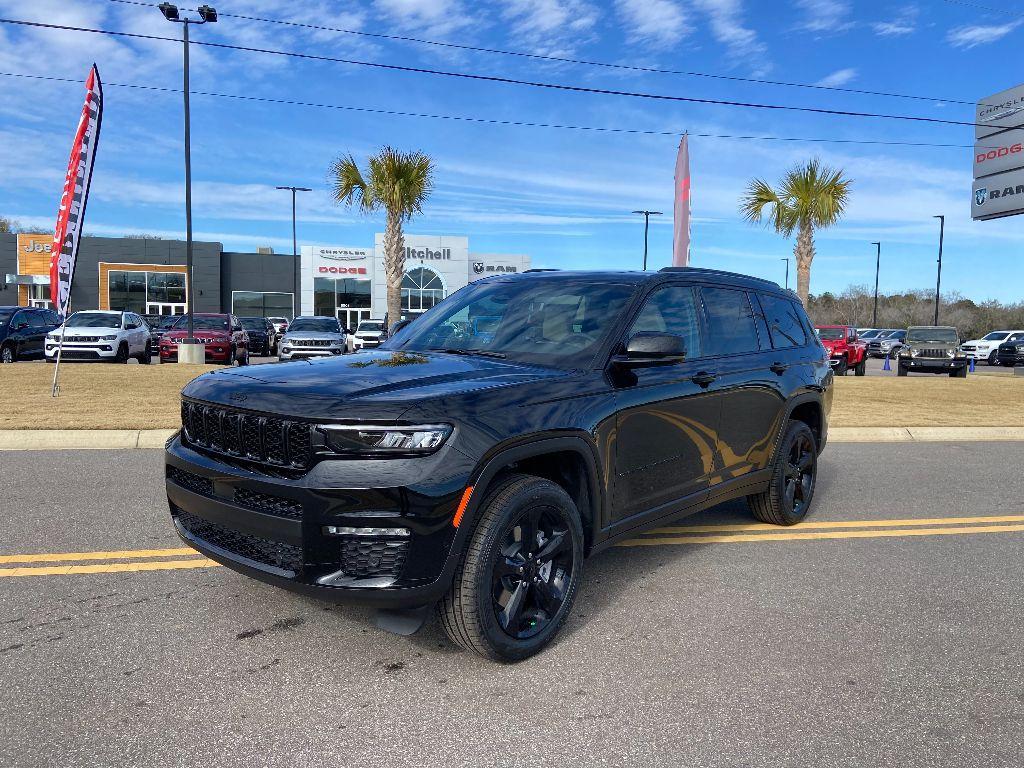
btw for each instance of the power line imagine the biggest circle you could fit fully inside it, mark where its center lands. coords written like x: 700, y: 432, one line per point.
x: 975, y: 6
x: 513, y: 81
x: 495, y: 121
x: 567, y: 60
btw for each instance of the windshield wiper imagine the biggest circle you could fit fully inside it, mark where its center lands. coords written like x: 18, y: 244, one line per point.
x: 480, y: 352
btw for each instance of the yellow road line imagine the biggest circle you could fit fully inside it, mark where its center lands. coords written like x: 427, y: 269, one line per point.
x: 68, y: 570
x: 122, y: 554
x: 842, y: 524
x: 737, y: 538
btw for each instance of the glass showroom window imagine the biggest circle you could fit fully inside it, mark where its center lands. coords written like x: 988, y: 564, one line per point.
x: 422, y: 288
x: 261, y: 304
x: 333, y: 294
x: 146, y: 292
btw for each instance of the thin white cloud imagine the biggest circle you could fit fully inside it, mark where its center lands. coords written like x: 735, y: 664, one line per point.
x: 551, y: 27
x: 904, y: 23
x: 969, y: 37
x: 824, y: 15
x: 431, y: 17
x: 838, y: 78
x: 726, y: 19
x: 655, y: 22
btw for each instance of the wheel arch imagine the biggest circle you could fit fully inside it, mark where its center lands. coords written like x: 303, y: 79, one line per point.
x: 568, y: 460
x: 807, y: 408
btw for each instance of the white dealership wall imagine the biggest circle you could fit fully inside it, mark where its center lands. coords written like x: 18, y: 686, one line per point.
x: 447, y: 255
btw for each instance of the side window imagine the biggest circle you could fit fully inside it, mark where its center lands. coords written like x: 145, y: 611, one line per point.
x: 784, y: 323
x: 731, y: 328
x: 672, y: 309
x: 36, y: 320
x: 52, y: 318
x: 1016, y: 337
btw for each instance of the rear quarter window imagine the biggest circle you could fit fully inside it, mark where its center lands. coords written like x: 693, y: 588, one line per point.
x: 731, y: 326
x: 785, y: 322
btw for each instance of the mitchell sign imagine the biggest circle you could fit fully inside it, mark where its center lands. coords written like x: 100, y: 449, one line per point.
x: 427, y: 253
x: 998, y: 188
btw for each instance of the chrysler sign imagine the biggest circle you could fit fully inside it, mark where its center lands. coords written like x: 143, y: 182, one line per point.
x: 998, y: 188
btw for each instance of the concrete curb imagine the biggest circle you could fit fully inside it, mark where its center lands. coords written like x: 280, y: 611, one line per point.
x: 121, y: 439
x: 82, y: 439
x: 923, y: 434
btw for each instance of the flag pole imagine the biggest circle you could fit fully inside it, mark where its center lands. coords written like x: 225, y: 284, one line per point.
x: 55, y: 392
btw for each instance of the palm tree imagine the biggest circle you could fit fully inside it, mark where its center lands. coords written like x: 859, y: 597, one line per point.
x: 811, y: 196
x: 399, y: 182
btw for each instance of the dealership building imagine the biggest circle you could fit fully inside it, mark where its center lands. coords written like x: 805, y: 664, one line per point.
x: 148, y: 276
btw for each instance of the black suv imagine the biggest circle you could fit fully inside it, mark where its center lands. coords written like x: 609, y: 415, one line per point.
x: 523, y: 423
x: 23, y: 332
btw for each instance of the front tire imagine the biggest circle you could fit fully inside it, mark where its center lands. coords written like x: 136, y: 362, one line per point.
x: 794, y: 475
x: 244, y: 359
x: 146, y: 357
x: 122, y: 354
x: 901, y: 371
x: 842, y: 367
x: 7, y: 354
x: 861, y: 368
x: 993, y: 358
x: 519, y: 576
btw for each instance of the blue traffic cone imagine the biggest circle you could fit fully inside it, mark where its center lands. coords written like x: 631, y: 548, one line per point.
x: 972, y: 365
x: 886, y: 366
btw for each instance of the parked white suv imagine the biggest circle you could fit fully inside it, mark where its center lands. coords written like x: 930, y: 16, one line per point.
x: 369, y: 334
x: 987, y: 346
x: 95, y: 334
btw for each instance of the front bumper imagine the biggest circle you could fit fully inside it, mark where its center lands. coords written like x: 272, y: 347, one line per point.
x: 274, y: 528
x: 933, y: 365
x: 103, y: 350
x: 1006, y: 358
x: 215, y: 353
x: 302, y: 353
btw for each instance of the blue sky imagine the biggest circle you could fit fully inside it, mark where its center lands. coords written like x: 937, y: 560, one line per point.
x: 562, y: 196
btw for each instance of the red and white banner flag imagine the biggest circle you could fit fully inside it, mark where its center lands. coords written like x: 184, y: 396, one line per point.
x: 75, y: 195
x: 681, y: 210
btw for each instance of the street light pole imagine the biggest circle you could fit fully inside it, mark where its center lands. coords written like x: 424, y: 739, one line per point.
x: 787, y: 272
x: 878, y: 264
x: 295, y: 247
x: 647, y: 223
x: 938, y: 278
x: 206, y: 15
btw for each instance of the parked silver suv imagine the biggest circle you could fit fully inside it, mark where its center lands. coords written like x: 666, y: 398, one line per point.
x: 312, y: 337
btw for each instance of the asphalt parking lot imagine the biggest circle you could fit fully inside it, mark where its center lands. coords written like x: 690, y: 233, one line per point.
x: 851, y: 644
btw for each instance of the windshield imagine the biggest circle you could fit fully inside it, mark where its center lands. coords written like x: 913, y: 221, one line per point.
x: 831, y: 334
x: 253, y: 323
x: 277, y: 319
x: 319, y: 324
x: 201, y: 323
x: 371, y: 325
x: 942, y: 335
x: 6, y: 315
x: 996, y: 336
x: 555, y: 322
x: 169, y: 322
x: 95, y: 320
x: 873, y: 334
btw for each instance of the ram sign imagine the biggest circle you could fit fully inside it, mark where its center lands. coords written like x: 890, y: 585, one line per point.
x: 998, y: 188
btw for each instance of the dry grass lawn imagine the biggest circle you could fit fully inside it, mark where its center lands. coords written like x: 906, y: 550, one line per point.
x: 146, y: 397
x: 932, y: 401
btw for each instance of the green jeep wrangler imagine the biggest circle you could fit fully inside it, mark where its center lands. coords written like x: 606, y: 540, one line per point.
x: 933, y: 349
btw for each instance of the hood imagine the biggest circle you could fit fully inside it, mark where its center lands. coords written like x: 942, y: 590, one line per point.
x: 80, y: 330
x: 299, y: 335
x: 373, y: 384
x: 178, y: 334
x: 833, y: 344
x: 931, y: 344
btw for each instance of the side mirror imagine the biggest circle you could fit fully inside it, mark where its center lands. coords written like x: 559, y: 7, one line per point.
x: 645, y: 350
x: 397, y: 327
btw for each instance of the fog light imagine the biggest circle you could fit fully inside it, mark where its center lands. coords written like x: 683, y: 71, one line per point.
x: 344, y: 530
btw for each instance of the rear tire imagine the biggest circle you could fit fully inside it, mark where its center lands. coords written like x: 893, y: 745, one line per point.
x: 861, y: 368
x: 794, y: 475
x: 146, y: 357
x: 526, y: 550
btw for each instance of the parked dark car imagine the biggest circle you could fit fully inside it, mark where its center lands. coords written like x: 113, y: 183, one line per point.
x: 478, y: 472
x: 157, y: 331
x: 23, y: 332
x: 262, y: 335
x: 223, y: 337
x: 1011, y: 353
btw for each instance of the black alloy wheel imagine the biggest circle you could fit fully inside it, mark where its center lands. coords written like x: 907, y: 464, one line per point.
x: 794, y: 474
x: 518, y: 578
x: 122, y: 354
x: 7, y: 354
x: 532, y: 571
x: 993, y: 357
x: 842, y: 367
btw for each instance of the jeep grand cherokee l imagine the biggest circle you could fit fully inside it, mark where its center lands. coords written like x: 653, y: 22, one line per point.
x: 476, y: 471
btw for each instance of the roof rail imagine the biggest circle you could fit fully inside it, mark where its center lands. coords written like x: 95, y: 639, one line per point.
x: 525, y: 271
x: 726, y: 273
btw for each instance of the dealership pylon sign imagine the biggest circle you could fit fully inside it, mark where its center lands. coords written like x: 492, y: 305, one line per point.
x: 998, y: 189
x: 71, y: 212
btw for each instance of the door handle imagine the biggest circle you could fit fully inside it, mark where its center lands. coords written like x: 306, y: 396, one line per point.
x: 703, y: 379
x: 778, y: 368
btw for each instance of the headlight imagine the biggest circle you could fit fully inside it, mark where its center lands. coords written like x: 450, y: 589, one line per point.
x: 52, y: 337
x: 950, y: 353
x: 109, y: 338
x: 357, y: 439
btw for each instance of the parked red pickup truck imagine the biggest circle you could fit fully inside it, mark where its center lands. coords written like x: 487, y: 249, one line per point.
x: 845, y: 350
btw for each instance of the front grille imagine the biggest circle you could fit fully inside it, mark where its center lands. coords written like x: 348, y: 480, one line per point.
x: 79, y: 354
x: 968, y: 348
x: 191, y: 481
x: 272, y: 505
x: 373, y: 558
x: 273, y: 553
x: 933, y: 353
x: 267, y: 440
x: 311, y: 343
x: 82, y: 339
